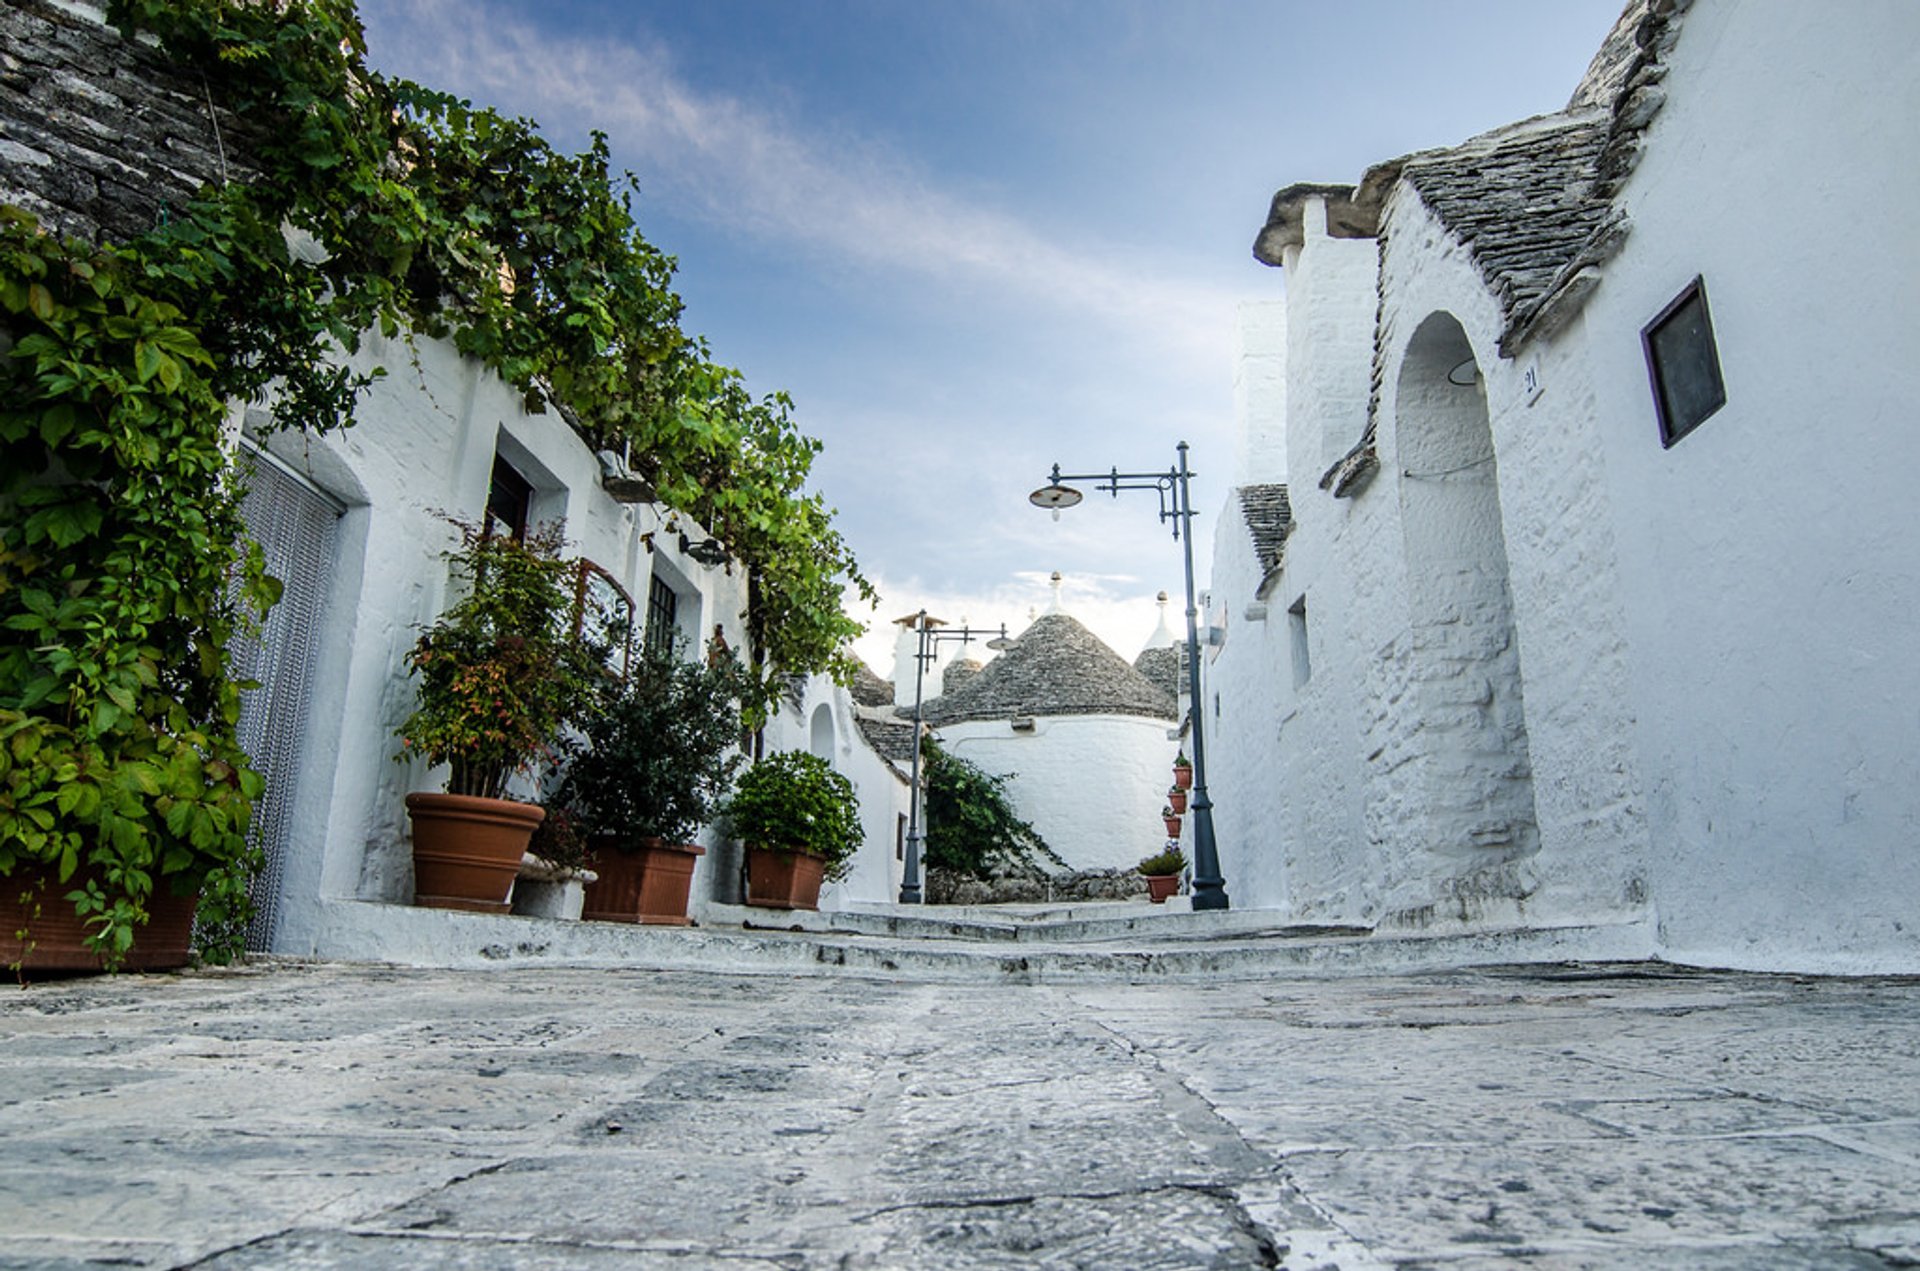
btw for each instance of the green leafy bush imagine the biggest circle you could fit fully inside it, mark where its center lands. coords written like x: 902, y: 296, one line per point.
x: 659, y: 751
x: 500, y: 672
x: 796, y: 802
x: 1171, y: 861
x: 972, y: 828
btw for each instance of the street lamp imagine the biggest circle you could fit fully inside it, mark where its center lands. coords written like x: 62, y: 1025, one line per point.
x: 1176, y: 505
x: 928, y: 649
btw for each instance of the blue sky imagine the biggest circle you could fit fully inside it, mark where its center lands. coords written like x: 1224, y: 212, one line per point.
x: 973, y: 239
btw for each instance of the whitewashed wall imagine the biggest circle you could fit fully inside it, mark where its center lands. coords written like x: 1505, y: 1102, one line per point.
x: 1092, y: 785
x: 425, y: 443
x: 1772, y: 557
x: 1242, y: 689
x: 1707, y: 694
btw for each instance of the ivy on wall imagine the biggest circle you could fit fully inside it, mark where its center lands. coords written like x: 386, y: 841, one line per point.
x: 124, y: 569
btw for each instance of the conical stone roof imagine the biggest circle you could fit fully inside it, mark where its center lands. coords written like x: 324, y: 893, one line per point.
x: 1164, y: 668
x: 1056, y: 667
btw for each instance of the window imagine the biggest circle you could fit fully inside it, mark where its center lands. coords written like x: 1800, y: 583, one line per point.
x: 663, y: 609
x: 509, y: 497
x: 1684, y: 364
x: 1297, y: 638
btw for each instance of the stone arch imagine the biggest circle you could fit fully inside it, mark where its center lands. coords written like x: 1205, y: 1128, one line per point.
x: 820, y: 732
x: 1470, y: 734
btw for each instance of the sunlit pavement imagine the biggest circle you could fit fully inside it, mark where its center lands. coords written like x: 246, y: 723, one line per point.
x: 331, y: 1115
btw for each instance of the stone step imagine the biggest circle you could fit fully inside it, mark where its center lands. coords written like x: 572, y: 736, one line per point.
x: 1084, y: 922
x: 1212, y: 947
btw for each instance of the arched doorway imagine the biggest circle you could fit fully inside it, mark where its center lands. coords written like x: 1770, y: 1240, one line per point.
x: 820, y: 734
x: 1471, y: 730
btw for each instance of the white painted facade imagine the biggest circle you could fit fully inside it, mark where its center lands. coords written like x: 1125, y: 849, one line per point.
x: 1557, y: 673
x: 424, y: 443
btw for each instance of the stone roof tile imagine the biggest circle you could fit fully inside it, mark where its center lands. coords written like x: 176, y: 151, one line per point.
x: 1164, y: 668
x: 869, y: 689
x: 1269, y: 517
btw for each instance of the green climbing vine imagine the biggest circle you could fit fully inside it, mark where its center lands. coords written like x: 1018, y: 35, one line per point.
x: 124, y: 567
x: 972, y: 828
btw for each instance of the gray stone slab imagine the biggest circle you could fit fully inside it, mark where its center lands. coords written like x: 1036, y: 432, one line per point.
x: 318, y: 1116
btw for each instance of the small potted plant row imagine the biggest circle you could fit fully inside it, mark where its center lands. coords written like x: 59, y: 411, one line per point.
x: 635, y: 763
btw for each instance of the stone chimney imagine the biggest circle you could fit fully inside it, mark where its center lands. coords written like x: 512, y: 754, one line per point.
x: 1323, y: 236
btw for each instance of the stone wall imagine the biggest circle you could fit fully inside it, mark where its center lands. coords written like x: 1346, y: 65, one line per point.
x: 99, y: 135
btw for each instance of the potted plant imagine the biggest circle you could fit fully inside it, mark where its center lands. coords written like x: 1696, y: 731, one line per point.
x: 1162, y: 873
x: 1172, y: 820
x: 660, y: 749
x: 1183, y: 771
x: 500, y: 674
x: 1177, y: 800
x: 801, y: 824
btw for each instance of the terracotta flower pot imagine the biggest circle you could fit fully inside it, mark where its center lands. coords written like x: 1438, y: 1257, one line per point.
x: 1177, y: 799
x: 784, y: 880
x: 648, y: 886
x: 1161, y: 886
x: 56, y: 936
x: 1183, y: 778
x: 1173, y: 826
x: 467, y: 850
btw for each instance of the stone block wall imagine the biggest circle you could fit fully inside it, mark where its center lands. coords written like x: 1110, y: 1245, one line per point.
x: 100, y: 135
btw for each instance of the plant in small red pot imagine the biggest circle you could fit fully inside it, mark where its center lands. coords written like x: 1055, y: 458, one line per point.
x: 1182, y: 771
x: 500, y: 673
x: 800, y: 821
x: 660, y: 750
x: 1162, y: 873
x: 1177, y: 800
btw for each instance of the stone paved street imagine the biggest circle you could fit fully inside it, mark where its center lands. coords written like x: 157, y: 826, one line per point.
x: 307, y: 1116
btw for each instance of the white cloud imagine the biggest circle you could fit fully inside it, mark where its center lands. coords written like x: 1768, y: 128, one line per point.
x: 740, y: 162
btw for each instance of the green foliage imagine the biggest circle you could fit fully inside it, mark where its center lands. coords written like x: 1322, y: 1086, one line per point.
x: 124, y: 570
x: 121, y: 583
x: 796, y: 802
x: 660, y: 750
x: 1171, y: 861
x: 972, y: 829
x: 460, y: 221
x: 500, y: 671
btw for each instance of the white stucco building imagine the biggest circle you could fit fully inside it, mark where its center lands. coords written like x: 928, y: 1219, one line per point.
x: 352, y: 522
x: 1084, y: 738
x: 1572, y: 573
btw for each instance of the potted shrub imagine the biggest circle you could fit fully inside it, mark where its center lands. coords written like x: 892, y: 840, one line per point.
x: 1177, y: 800
x: 500, y: 674
x: 660, y: 749
x: 1162, y: 873
x: 1182, y: 771
x: 801, y: 824
x: 1172, y: 821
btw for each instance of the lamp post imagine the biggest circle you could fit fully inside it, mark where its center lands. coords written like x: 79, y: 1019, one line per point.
x: 1176, y: 505
x: 926, y: 651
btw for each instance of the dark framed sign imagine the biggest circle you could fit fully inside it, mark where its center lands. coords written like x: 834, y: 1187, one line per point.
x: 1683, y: 364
